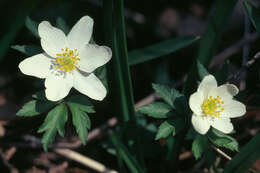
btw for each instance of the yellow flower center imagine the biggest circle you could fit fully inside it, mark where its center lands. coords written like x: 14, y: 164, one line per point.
x: 67, y: 60
x: 213, y: 106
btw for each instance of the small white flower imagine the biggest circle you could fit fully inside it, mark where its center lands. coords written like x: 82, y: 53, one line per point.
x: 68, y: 61
x: 214, y: 106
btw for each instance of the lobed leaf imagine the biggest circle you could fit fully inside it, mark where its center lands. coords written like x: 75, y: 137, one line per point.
x: 199, y: 145
x: 222, y: 140
x: 168, y: 94
x: 34, y: 107
x: 80, y: 121
x: 155, y: 110
x: 81, y: 102
x: 54, y: 122
x: 165, y: 129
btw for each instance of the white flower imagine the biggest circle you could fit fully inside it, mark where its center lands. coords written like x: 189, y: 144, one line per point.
x: 68, y: 61
x: 214, y: 106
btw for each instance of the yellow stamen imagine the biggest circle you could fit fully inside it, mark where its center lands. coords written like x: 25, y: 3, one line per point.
x: 67, y: 60
x: 213, y: 106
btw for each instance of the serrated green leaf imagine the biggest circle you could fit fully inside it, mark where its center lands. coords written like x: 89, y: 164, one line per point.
x: 81, y: 102
x: 160, y: 49
x: 222, y: 140
x: 199, y: 145
x: 61, y: 24
x: 27, y: 49
x: 178, y: 124
x: 32, y: 26
x: 165, y: 129
x: 54, y: 122
x: 201, y: 70
x: 245, y: 158
x: 81, y: 122
x: 156, y: 110
x: 254, y: 15
x: 35, y: 107
x: 168, y: 94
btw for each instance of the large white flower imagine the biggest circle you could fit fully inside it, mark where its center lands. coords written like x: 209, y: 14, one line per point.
x: 68, y: 61
x: 214, y: 106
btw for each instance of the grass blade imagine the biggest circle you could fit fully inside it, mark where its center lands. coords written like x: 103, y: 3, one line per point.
x: 210, y: 40
x: 247, y: 156
x: 16, y: 25
x: 127, y: 157
x: 160, y: 49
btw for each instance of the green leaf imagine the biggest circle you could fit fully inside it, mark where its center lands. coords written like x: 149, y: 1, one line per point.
x: 17, y: 23
x: 156, y: 110
x: 81, y: 122
x: 162, y: 75
x: 165, y: 130
x: 160, y: 49
x: 61, y: 24
x: 35, y: 107
x: 27, y: 49
x: 199, y: 145
x: 254, y: 15
x: 32, y: 26
x: 191, y: 134
x: 222, y: 74
x: 210, y: 40
x: 178, y: 124
x: 246, y: 157
x: 81, y: 102
x: 222, y: 140
x: 202, y: 70
x: 101, y: 73
x: 168, y: 94
x: 40, y: 95
x: 118, y: 68
x: 54, y: 122
x: 125, y: 154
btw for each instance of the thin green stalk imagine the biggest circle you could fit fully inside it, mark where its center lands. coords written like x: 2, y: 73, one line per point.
x: 121, y: 86
x: 119, y: 72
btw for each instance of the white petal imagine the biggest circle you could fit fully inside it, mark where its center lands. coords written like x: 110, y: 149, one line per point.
x: 89, y: 85
x: 52, y: 39
x: 195, y: 102
x: 81, y: 33
x: 200, y: 124
x: 93, y: 56
x: 233, y: 109
x: 226, y: 91
x: 37, y: 65
x: 209, y: 82
x: 222, y: 124
x: 58, y: 86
